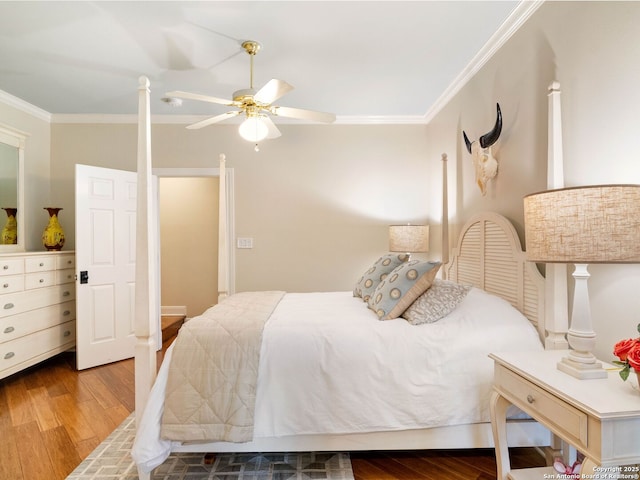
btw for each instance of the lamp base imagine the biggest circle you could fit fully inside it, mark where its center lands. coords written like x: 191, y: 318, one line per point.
x: 582, y: 371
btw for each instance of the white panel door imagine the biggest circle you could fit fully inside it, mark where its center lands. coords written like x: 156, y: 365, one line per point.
x: 105, y: 265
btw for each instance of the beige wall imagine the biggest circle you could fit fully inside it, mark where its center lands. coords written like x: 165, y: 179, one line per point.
x: 189, y: 242
x: 589, y: 48
x: 318, y: 200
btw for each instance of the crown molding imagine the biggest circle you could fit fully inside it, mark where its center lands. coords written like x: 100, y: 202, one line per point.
x: 511, y: 25
x: 189, y: 119
x: 380, y: 120
x: 19, y: 104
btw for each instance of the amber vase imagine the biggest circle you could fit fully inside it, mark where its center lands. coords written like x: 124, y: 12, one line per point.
x: 9, y: 234
x: 53, y: 235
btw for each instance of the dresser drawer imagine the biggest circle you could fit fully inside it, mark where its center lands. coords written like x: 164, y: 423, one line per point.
x: 39, y: 264
x: 11, y: 266
x: 21, y: 302
x: 16, y: 326
x: 37, y: 344
x: 540, y: 403
x: 39, y: 280
x: 67, y: 275
x: 66, y: 261
x: 11, y: 283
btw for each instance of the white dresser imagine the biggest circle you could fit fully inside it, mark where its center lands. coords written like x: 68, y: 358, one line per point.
x: 37, y: 308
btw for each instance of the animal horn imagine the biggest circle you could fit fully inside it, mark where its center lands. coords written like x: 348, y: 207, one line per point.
x: 490, y: 138
x: 466, y: 141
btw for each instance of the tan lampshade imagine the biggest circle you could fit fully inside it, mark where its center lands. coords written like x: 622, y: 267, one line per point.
x: 591, y: 224
x: 409, y: 238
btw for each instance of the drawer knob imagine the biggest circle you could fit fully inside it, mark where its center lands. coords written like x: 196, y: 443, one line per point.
x: 42, y: 280
x: 530, y: 398
x: 8, y: 306
x: 5, y: 267
x: 67, y: 333
x: 9, y: 355
x: 41, y: 264
x: 66, y: 294
x: 66, y: 313
x: 9, y: 330
x: 6, y: 285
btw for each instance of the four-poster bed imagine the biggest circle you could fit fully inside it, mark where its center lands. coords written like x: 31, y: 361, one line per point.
x: 487, y: 255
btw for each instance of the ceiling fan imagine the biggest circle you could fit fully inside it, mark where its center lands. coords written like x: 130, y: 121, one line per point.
x: 256, y: 105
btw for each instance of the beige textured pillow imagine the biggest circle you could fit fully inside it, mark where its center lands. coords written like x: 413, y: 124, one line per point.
x: 437, y: 302
x: 401, y: 287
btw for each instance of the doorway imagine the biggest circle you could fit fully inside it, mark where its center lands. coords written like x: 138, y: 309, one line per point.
x: 188, y: 219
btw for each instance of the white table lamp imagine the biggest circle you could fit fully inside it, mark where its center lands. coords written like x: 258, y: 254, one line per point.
x: 583, y: 225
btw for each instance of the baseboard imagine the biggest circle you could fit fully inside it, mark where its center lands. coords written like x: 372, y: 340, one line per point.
x: 173, y: 310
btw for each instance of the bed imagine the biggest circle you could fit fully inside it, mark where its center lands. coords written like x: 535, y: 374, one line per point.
x: 372, y: 384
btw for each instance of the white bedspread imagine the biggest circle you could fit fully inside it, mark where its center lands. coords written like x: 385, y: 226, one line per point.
x: 328, y: 365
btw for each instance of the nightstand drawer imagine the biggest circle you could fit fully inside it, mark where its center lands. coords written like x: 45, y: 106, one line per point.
x: 540, y: 403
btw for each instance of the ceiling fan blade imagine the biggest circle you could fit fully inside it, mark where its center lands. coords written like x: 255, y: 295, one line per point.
x: 273, y: 131
x: 202, y: 98
x: 272, y: 90
x: 212, y: 120
x: 303, y: 114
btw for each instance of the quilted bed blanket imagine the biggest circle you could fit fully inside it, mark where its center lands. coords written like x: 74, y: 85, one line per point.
x: 212, y: 382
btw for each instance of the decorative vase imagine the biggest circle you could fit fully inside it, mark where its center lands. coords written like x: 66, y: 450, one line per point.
x: 53, y: 235
x: 9, y: 235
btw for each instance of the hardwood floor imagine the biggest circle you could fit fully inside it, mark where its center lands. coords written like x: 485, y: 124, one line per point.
x: 52, y: 417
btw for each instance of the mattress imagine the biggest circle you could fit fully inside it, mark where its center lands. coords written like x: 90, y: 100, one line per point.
x: 329, y: 366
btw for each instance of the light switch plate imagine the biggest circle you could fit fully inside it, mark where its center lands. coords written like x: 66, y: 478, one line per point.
x: 245, y: 242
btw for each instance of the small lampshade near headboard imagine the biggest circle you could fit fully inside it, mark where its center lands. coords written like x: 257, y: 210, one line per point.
x: 409, y: 238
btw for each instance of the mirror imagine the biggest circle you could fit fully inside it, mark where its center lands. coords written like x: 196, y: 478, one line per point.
x: 11, y: 189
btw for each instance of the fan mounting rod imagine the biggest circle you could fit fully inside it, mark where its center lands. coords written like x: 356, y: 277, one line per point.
x: 252, y: 47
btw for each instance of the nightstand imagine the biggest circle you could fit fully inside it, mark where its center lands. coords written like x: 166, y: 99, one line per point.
x: 600, y: 418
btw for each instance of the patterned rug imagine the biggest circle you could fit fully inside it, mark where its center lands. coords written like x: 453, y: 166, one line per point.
x: 111, y: 460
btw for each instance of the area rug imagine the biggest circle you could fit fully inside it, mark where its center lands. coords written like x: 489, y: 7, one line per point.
x: 111, y: 460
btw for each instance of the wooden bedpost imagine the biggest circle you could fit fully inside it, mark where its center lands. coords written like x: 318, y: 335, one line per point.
x: 223, y: 244
x: 146, y: 316
x: 556, y: 303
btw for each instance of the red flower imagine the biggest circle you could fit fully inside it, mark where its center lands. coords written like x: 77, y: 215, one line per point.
x: 633, y: 357
x: 628, y: 351
x: 623, y: 347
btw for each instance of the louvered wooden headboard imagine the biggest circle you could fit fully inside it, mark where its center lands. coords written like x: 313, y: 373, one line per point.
x: 488, y: 255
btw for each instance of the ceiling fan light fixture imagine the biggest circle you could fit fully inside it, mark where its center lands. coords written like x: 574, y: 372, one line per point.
x: 253, y: 129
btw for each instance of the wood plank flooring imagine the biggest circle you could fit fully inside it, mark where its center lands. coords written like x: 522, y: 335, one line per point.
x: 52, y: 417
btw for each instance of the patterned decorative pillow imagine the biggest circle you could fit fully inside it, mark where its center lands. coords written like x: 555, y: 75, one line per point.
x: 400, y: 289
x: 440, y: 300
x: 378, y: 271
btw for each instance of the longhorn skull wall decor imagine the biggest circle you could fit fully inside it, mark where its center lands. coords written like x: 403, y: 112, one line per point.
x: 483, y: 160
